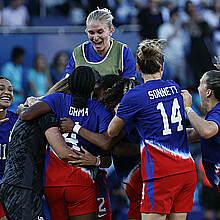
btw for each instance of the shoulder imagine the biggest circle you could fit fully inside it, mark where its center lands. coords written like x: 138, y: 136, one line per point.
x: 12, y: 115
x: 98, y: 107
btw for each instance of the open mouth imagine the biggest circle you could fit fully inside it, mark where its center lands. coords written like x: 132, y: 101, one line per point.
x: 97, y: 43
x: 7, y: 99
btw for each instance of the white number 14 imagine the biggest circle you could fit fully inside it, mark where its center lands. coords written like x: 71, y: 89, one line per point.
x: 175, y: 116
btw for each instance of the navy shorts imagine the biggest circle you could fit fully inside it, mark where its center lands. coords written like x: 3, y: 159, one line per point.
x: 21, y: 203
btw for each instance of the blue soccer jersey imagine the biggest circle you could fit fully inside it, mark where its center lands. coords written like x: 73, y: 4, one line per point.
x: 5, y: 130
x: 211, y: 149
x: 157, y: 108
x: 92, y: 56
x: 93, y: 117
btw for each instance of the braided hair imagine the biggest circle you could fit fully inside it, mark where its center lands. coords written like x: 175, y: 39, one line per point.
x: 103, y: 84
x: 113, y: 96
x: 81, y: 84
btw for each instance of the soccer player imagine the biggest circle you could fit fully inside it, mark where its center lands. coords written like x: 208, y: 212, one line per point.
x: 61, y: 177
x: 109, y: 91
x: 102, y: 52
x: 7, y: 121
x: 207, y: 130
x: 167, y: 168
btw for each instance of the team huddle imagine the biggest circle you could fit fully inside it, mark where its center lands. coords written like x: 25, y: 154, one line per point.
x: 59, y: 145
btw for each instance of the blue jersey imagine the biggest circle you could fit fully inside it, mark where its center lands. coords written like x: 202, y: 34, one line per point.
x: 93, y: 117
x: 5, y: 130
x: 157, y: 109
x: 92, y: 56
x: 211, y: 149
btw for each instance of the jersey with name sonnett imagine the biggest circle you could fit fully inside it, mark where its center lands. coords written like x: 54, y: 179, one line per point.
x: 26, y: 152
x: 211, y: 149
x: 93, y: 117
x: 157, y: 108
x: 5, y: 130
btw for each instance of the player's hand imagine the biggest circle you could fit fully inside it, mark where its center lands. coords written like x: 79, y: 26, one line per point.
x: 4, y: 120
x: 19, y: 109
x: 30, y: 101
x: 187, y: 98
x: 66, y: 125
x: 83, y: 159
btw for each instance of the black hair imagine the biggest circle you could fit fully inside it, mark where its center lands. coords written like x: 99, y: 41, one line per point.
x: 213, y: 82
x: 105, y: 83
x: 17, y: 52
x: 3, y: 77
x: 113, y: 96
x: 81, y: 83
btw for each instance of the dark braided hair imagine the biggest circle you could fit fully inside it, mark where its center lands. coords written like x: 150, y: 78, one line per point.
x: 113, y: 96
x: 104, y: 83
x: 81, y: 83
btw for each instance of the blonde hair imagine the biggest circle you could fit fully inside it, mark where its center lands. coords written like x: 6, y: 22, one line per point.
x: 150, y: 56
x: 103, y: 15
x: 61, y: 86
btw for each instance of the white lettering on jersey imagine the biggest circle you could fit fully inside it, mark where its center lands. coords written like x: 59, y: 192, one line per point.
x: 79, y: 112
x: 3, y: 151
x: 162, y: 92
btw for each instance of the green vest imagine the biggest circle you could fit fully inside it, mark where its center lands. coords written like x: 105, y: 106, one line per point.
x: 111, y: 64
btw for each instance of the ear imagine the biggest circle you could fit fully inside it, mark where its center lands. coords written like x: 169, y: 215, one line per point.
x: 138, y: 68
x: 208, y: 93
x: 162, y: 67
x: 111, y: 31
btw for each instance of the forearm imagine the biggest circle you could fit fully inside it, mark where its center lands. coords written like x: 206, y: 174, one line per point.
x: 58, y: 144
x: 115, y: 126
x: 205, y: 129
x: 36, y: 110
x: 102, y: 140
x: 192, y: 135
x: 105, y: 161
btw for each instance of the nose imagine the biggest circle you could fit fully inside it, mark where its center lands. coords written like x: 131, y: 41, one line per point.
x: 96, y: 36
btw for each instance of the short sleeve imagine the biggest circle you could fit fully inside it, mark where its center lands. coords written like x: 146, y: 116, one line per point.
x: 71, y: 65
x: 214, y: 116
x: 129, y: 64
x: 53, y: 100
x: 128, y: 107
x: 105, y: 117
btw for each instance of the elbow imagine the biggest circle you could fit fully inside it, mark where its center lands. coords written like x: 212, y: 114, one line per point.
x: 107, y: 146
x: 205, y: 134
x: 25, y: 116
x: 64, y: 157
x: 111, y: 133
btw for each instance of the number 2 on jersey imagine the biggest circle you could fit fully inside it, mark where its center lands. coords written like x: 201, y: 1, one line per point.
x: 175, y: 116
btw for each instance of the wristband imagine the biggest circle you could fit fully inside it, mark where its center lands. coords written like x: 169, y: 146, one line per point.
x: 98, y: 161
x: 76, y: 128
x: 188, y: 110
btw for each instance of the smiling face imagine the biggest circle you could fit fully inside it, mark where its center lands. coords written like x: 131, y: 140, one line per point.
x: 99, y: 34
x: 6, y: 93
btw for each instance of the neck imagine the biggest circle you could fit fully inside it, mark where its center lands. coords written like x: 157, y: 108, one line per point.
x: 212, y: 104
x: 149, y: 77
x: 3, y: 114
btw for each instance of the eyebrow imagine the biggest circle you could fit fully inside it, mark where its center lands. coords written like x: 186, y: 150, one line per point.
x: 4, y: 85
